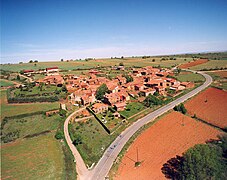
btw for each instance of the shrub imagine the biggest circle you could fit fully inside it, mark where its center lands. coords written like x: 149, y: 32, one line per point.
x: 59, y: 135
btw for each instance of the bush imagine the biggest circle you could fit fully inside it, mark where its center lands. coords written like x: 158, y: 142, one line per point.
x: 180, y: 108
x: 59, y: 135
x: 152, y: 100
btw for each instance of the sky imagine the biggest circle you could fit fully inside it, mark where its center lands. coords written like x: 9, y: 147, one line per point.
x: 46, y: 30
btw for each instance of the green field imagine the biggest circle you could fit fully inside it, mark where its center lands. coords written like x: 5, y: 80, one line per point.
x: 5, y: 83
x: 35, y: 158
x: 211, y: 65
x: 189, y: 76
x: 94, y: 139
x: 72, y: 65
x: 29, y: 125
x: 16, y: 109
x: 218, y: 81
x: 132, y: 108
x: 36, y: 90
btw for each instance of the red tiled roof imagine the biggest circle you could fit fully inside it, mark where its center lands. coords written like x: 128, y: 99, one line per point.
x: 52, y: 68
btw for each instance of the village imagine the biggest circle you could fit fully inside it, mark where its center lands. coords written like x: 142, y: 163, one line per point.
x: 133, y: 84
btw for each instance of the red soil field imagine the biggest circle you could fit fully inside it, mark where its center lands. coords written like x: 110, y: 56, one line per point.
x: 221, y: 73
x: 210, y: 105
x: 170, y: 136
x: 193, y: 63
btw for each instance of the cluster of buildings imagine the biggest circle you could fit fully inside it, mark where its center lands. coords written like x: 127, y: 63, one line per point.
x: 147, y: 80
x: 82, y: 89
x: 48, y: 71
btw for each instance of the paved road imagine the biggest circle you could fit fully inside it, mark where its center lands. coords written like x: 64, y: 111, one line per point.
x: 101, y: 170
x: 105, y: 163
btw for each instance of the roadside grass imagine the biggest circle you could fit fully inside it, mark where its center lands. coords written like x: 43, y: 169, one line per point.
x: 73, y: 65
x: 211, y: 64
x: 189, y: 76
x: 5, y: 83
x: 94, y: 139
x: 30, y: 125
x: 7, y: 110
x: 132, y: 108
x: 34, y: 158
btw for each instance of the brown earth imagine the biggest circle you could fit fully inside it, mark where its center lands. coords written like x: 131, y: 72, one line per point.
x: 221, y: 73
x: 210, y: 105
x: 170, y: 136
x: 193, y: 63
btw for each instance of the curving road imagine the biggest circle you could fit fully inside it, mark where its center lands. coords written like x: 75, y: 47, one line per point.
x: 105, y: 163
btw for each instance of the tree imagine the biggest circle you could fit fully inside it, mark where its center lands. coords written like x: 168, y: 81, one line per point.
x: 180, y: 108
x: 121, y: 63
x: 128, y: 78
x: 64, y: 89
x: 31, y: 61
x: 122, y: 57
x: 62, y: 60
x: 59, y: 135
x: 36, y: 61
x: 62, y: 112
x: 101, y: 91
x: 78, y: 140
x: 202, y: 162
x: 18, y: 77
x: 156, y: 93
x: 152, y: 100
x: 41, y: 86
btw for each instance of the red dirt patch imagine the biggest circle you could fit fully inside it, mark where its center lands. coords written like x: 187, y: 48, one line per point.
x: 193, y: 63
x: 221, y: 73
x: 210, y: 105
x: 170, y: 136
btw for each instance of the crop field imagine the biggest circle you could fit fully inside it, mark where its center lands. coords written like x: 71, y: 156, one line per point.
x: 219, y: 79
x: 193, y: 63
x: 172, y: 135
x: 4, y: 83
x: 222, y: 74
x: 210, y: 105
x: 30, y: 125
x: 211, y: 65
x: 81, y: 64
x: 16, y: 109
x: 39, y: 157
x: 94, y: 139
x: 189, y: 76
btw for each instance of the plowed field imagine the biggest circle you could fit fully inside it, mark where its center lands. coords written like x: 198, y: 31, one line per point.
x: 211, y: 106
x: 221, y: 73
x: 193, y: 63
x: 170, y: 136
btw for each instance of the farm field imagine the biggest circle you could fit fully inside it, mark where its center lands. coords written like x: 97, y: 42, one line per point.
x: 211, y: 65
x: 16, y: 109
x: 210, y: 105
x: 29, y: 125
x: 193, y: 63
x: 172, y: 135
x: 189, y: 76
x: 39, y: 157
x: 219, y: 79
x: 82, y: 64
x: 5, y: 83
